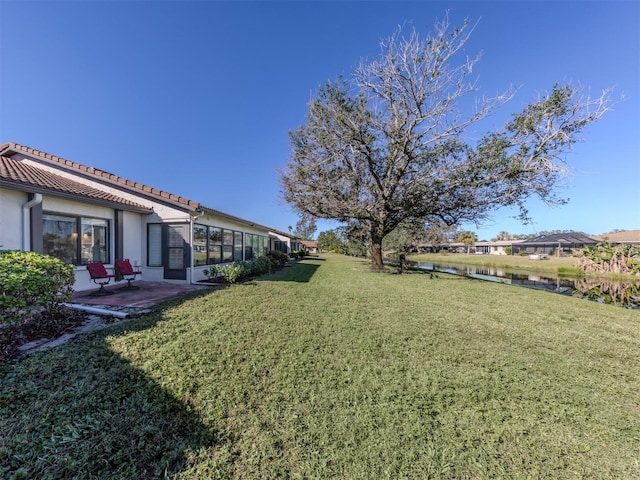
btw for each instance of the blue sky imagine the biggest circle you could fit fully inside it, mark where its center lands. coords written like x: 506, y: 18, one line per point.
x: 197, y: 97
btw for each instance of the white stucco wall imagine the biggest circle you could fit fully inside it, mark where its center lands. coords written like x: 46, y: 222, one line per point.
x: 11, y: 223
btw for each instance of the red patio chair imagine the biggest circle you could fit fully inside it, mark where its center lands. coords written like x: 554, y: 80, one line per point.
x: 128, y: 273
x: 100, y: 276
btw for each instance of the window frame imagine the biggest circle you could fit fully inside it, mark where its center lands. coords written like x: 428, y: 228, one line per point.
x: 223, y: 245
x: 76, y: 241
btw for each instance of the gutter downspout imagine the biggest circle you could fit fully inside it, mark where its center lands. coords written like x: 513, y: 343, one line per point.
x: 96, y: 310
x: 26, y: 217
x: 192, y: 219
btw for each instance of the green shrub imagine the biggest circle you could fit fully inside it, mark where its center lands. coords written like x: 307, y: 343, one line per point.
x: 277, y: 257
x: 30, y: 282
x: 231, y: 272
x: 298, y: 254
x: 234, y: 271
x: 260, y: 265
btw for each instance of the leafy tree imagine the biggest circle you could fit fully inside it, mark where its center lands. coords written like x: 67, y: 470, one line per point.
x: 404, y: 236
x: 329, y: 242
x: 501, y: 236
x: 468, y: 238
x: 353, y: 238
x: 553, y: 232
x: 305, y: 227
x: 388, y: 147
x: 605, y: 258
x: 398, y: 239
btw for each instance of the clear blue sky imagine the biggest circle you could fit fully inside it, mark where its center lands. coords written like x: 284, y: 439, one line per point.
x: 197, y: 97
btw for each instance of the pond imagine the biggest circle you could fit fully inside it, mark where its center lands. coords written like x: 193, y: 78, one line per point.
x: 624, y: 294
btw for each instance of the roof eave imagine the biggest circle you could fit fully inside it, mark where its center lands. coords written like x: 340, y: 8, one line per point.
x: 29, y: 188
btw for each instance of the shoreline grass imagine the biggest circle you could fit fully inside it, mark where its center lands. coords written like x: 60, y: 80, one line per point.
x: 325, y: 370
x: 563, y: 266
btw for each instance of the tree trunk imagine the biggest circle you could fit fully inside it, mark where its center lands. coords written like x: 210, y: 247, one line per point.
x: 377, y: 265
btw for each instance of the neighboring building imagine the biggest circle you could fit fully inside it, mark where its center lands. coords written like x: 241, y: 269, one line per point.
x: 80, y: 214
x: 486, y: 248
x: 498, y: 247
x: 557, y: 244
x: 310, y: 246
x: 631, y: 237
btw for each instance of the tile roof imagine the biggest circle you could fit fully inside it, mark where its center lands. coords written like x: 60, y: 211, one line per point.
x: 20, y: 173
x: 10, y: 146
x: 625, y: 236
x: 120, y: 182
x: 566, y: 237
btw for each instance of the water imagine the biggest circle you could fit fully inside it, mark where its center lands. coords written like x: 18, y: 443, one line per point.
x: 622, y: 294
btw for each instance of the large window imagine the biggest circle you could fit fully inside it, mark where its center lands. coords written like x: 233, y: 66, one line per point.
x: 199, y: 245
x: 76, y: 240
x: 215, y: 245
x: 221, y: 245
x: 255, y: 245
x: 237, y: 246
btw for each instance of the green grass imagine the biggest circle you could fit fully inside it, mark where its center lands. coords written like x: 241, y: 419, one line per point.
x: 325, y: 370
x: 514, y: 262
x: 561, y: 266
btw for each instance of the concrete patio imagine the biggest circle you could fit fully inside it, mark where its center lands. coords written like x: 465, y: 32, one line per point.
x: 147, y: 295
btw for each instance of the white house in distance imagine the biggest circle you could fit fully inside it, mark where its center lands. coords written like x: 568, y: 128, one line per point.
x: 80, y: 214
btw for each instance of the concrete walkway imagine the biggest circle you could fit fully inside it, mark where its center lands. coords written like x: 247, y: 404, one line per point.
x: 107, y: 310
x: 148, y: 294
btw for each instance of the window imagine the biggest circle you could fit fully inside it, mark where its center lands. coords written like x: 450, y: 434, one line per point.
x: 154, y: 244
x: 216, y: 245
x: 94, y: 240
x: 237, y: 246
x: 255, y: 245
x: 280, y: 246
x: 199, y: 245
x: 227, y: 247
x: 76, y: 240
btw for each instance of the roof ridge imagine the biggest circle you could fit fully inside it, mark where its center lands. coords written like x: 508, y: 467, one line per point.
x: 100, y: 173
x: 14, y: 171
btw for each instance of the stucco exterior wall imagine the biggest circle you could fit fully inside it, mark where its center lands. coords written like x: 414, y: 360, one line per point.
x: 11, y: 202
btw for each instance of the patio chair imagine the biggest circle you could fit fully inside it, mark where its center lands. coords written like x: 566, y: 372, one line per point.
x: 100, y: 276
x: 128, y: 273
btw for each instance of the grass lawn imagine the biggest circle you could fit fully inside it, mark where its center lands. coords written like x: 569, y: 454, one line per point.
x: 325, y: 370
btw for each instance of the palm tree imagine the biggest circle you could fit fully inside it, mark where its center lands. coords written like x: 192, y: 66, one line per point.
x: 468, y: 238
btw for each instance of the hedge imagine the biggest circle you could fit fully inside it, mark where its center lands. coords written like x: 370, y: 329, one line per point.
x: 30, y: 282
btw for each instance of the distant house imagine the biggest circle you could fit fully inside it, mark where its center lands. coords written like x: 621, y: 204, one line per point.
x: 631, y: 237
x: 556, y: 244
x: 80, y: 215
x: 498, y: 247
x: 310, y: 246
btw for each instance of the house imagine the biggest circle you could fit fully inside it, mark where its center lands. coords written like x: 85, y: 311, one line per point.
x: 630, y: 237
x: 80, y: 214
x: 498, y: 247
x: 310, y: 246
x: 557, y: 244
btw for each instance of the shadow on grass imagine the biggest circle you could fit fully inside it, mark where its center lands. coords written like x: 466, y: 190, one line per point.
x: 299, y: 272
x: 82, y: 411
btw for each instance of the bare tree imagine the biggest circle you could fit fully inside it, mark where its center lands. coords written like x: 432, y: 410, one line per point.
x: 389, y: 147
